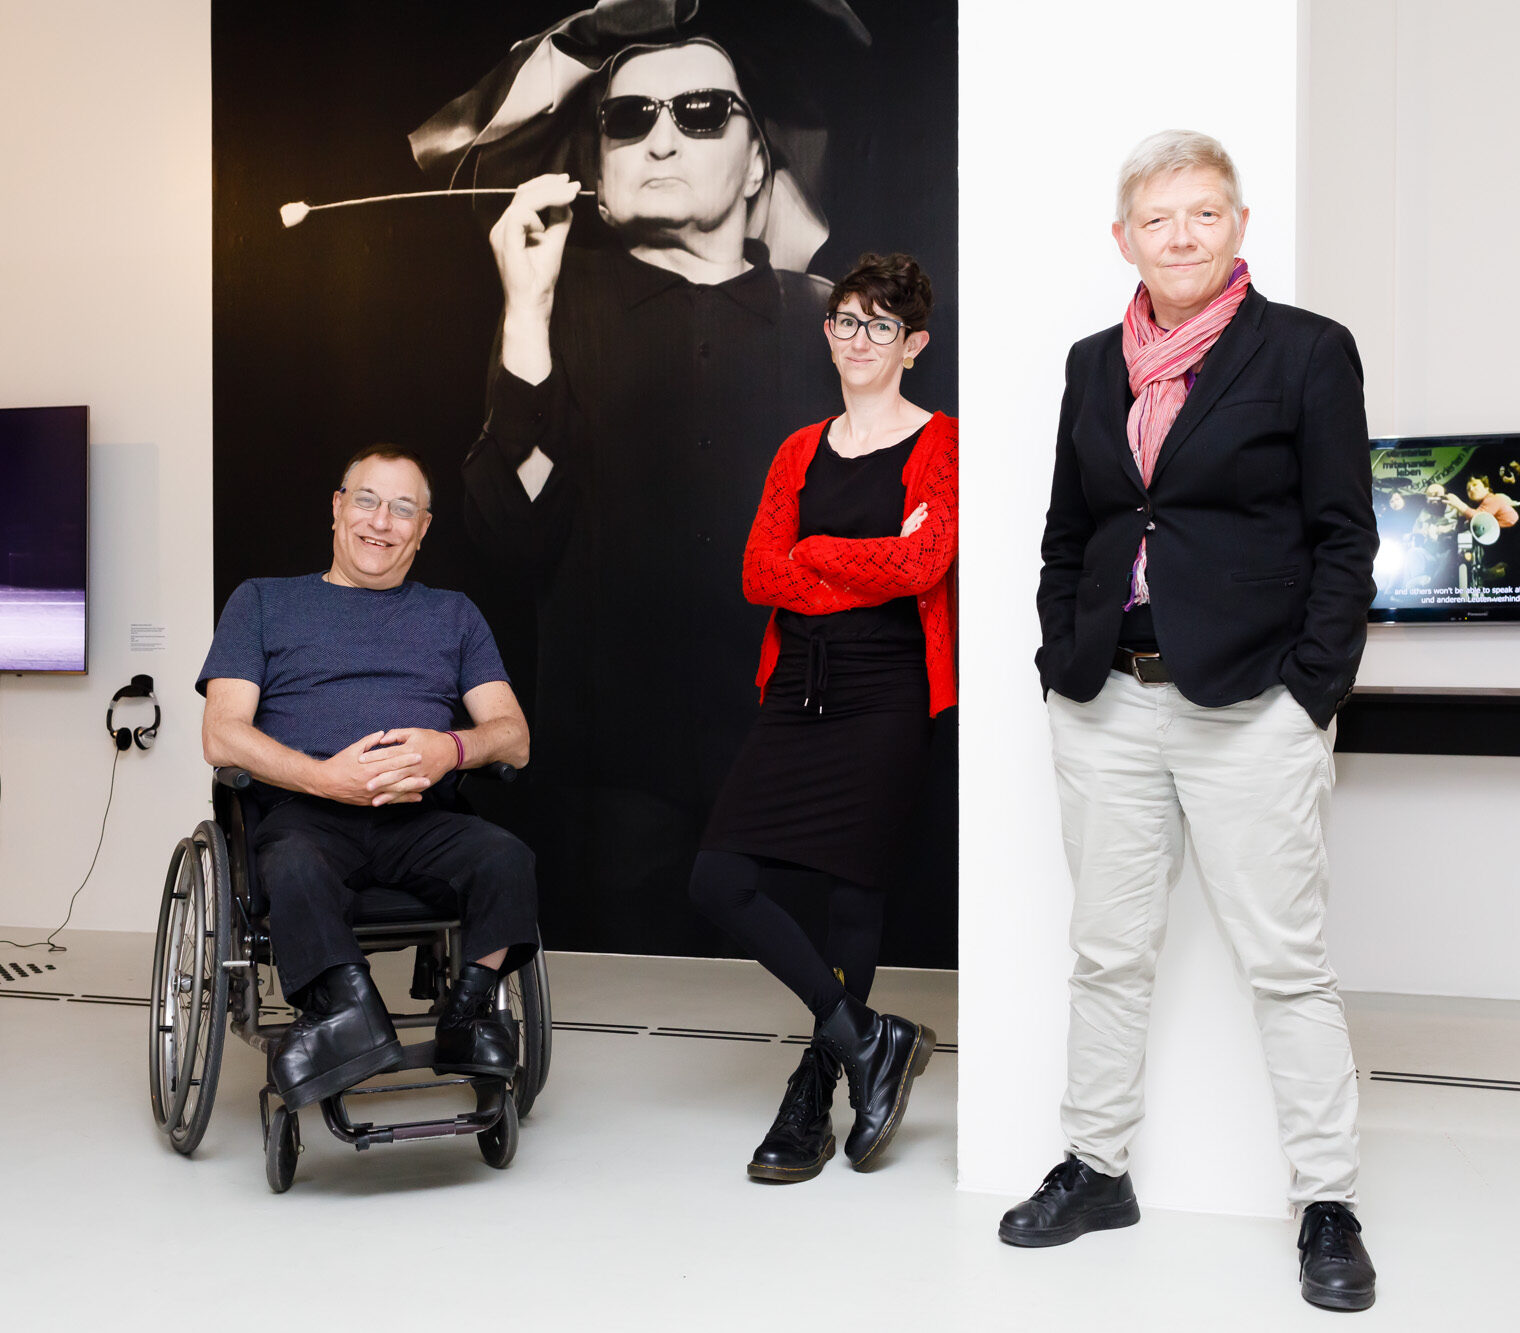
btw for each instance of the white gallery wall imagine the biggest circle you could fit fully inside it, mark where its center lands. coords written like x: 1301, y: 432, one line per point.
x: 1404, y: 124
x: 1052, y: 100
x: 105, y: 299
x: 1409, y: 176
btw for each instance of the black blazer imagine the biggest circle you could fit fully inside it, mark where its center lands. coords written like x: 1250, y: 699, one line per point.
x: 1258, y: 519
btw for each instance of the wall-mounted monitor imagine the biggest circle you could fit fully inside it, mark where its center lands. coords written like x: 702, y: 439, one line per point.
x: 1448, y: 526
x: 44, y: 513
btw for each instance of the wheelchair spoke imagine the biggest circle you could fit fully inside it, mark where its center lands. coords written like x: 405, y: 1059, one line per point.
x: 167, y: 1062
x: 515, y: 1000
x: 174, y: 994
x: 518, y: 1000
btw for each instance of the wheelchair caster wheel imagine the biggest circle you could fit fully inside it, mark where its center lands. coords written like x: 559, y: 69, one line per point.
x: 281, y: 1148
x: 498, y: 1145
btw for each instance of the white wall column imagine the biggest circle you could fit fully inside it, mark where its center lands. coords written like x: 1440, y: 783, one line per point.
x: 105, y: 299
x: 1051, y: 101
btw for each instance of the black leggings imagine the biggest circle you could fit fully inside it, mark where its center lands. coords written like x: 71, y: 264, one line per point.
x: 725, y: 886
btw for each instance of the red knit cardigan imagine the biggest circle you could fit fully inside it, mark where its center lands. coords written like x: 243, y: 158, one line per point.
x: 823, y: 574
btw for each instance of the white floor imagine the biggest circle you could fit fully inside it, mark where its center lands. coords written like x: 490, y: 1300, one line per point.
x: 628, y: 1208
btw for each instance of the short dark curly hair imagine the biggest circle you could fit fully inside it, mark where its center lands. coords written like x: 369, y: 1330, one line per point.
x: 889, y: 284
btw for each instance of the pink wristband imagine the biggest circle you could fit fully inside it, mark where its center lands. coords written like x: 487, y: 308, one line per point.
x: 458, y: 746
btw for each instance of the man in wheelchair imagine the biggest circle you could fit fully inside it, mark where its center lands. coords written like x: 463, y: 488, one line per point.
x: 341, y: 694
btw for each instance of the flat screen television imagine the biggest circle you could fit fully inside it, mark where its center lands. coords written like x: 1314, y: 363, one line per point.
x: 1449, y: 530
x: 44, y: 524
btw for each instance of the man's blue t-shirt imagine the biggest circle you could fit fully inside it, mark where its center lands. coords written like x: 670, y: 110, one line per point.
x: 334, y: 664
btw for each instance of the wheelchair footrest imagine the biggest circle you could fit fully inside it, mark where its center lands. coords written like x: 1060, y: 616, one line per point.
x: 490, y: 1103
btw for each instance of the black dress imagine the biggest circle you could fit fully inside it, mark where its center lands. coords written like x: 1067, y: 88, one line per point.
x: 830, y: 771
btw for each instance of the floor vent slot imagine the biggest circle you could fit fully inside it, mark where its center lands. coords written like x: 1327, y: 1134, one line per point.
x: 1445, y: 1081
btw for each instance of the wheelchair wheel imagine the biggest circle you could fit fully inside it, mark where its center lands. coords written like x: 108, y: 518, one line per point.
x: 498, y: 1145
x: 522, y: 997
x: 545, y: 1017
x: 282, y: 1145
x: 187, y: 1009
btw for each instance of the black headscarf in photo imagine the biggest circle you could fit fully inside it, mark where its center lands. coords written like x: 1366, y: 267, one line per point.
x: 535, y: 112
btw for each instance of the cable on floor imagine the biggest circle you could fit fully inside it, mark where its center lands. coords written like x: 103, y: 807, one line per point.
x: 99, y: 842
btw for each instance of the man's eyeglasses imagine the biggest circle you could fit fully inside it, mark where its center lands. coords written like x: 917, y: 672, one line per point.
x: 697, y: 114
x: 369, y: 502
x: 879, y: 328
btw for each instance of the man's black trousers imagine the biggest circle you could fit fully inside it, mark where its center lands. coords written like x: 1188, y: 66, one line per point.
x: 312, y: 855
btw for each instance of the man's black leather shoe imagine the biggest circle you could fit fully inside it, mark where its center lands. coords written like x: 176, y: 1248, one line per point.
x: 470, y: 1038
x: 801, y: 1139
x: 1071, y: 1200
x: 1334, y: 1268
x: 881, y: 1054
x: 342, y: 1037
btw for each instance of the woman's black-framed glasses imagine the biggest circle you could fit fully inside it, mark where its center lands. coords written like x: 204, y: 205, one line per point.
x: 879, y: 328
x: 697, y: 114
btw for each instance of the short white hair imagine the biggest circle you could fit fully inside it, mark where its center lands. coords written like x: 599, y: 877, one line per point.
x: 1170, y: 151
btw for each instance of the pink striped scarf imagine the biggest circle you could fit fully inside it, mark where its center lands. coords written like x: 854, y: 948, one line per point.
x: 1159, y: 361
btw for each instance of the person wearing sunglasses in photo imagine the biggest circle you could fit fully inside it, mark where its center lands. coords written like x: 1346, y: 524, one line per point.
x: 853, y: 549
x: 651, y: 351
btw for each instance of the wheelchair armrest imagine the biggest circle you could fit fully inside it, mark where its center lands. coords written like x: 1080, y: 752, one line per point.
x: 502, y: 772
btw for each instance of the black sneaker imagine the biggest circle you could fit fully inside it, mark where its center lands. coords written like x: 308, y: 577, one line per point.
x: 1071, y: 1200
x: 1334, y: 1269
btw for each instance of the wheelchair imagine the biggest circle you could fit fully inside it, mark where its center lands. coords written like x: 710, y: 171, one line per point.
x: 211, y: 959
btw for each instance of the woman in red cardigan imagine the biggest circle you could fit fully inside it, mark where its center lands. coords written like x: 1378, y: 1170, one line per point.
x: 854, y: 548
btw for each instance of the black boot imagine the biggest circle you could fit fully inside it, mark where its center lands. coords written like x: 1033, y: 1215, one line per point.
x: 1071, y: 1200
x: 882, y: 1054
x: 802, y: 1138
x: 342, y: 1037
x: 470, y: 1038
x: 1334, y: 1268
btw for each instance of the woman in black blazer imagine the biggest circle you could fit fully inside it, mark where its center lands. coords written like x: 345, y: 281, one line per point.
x: 1203, y: 606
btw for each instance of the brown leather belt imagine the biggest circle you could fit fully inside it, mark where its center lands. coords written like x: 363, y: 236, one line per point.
x: 1147, y: 668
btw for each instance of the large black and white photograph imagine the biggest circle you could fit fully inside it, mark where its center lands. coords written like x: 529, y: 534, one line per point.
x: 579, y: 262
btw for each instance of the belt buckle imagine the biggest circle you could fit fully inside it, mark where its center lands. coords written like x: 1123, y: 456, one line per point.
x: 1135, y: 666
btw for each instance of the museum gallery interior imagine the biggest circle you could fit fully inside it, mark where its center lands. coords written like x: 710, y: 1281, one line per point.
x: 183, y: 371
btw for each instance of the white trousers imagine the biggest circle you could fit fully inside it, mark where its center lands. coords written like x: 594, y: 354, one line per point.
x: 1250, y: 783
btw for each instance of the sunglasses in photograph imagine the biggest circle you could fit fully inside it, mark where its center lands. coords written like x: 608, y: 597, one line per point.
x: 701, y: 112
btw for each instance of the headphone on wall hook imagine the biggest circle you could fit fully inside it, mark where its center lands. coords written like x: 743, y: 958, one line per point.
x: 141, y: 687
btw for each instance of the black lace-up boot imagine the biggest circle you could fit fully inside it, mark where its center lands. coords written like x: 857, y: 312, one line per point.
x: 342, y: 1037
x: 470, y: 1038
x: 801, y: 1139
x: 1334, y: 1268
x: 881, y: 1054
x: 1071, y: 1200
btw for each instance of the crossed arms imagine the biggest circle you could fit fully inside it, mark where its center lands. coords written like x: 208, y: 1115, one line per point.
x: 823, y: 574
x: 383, y: 768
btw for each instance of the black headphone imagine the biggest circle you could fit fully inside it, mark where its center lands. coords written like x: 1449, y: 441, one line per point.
x: 125, y: 737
